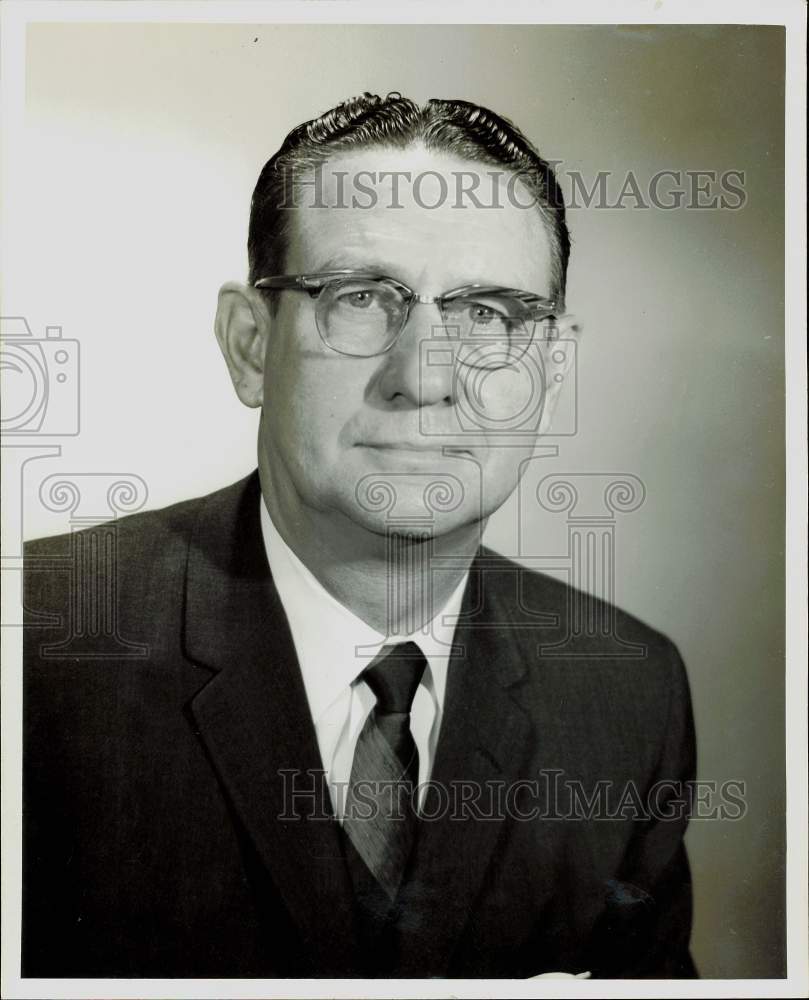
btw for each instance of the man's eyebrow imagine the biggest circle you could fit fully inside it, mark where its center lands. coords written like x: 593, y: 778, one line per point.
x: 349, y: 262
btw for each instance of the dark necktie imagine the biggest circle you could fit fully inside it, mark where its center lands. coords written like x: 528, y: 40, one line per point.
x: 380, y: 815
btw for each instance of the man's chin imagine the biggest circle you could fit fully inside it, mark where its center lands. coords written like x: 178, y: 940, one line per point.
x: 435, y: 499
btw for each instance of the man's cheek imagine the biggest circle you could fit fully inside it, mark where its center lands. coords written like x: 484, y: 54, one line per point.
x: 505, y: 401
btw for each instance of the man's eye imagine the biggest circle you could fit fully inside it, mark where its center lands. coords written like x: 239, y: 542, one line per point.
x: 487, y: 313
x: 483, y: 314
x: 359, y: 298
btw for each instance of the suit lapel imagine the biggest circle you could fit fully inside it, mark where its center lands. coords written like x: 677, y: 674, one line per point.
x: 253, y: 718
x: 484, y: 739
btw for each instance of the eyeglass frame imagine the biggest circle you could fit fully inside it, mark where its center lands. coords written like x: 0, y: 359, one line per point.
x: 315, y: 282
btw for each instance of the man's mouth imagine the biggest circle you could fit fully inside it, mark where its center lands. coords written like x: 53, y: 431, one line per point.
x: 424, y: 447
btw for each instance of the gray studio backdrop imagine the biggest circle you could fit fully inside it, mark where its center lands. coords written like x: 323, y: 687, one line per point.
x: 142, y: 146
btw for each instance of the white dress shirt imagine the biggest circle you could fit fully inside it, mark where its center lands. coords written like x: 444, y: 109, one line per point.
x: 334, y: 646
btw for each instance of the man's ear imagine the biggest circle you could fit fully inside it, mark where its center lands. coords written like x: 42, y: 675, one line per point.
x: 558, y: 349
x: 241, y: 328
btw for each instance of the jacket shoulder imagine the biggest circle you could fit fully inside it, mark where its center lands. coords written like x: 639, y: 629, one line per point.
x: 130, y: 570
x: 144, y: 526
x: 534, y: 593
x: 592, y: 668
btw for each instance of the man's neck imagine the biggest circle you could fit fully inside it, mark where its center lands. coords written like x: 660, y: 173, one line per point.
x: 392, y: 582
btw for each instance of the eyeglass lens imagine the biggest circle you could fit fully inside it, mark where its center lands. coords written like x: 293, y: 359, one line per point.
x: 362, y: 317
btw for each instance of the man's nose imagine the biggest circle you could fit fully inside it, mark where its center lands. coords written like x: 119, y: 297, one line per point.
x: 419, y: 367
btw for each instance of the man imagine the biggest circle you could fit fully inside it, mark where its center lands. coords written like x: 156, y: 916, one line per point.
x: 312, y: 770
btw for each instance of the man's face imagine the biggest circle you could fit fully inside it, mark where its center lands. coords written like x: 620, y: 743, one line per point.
x: 366, y: 437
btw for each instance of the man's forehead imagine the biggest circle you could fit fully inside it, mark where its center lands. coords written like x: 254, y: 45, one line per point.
x: 419, y: 212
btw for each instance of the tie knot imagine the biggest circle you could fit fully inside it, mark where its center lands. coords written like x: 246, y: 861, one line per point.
x: 394, y: 677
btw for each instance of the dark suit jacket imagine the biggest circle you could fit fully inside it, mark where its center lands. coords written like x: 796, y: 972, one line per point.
x: 163, y: 697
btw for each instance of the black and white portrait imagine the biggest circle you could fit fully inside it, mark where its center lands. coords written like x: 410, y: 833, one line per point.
x: 394, y: 500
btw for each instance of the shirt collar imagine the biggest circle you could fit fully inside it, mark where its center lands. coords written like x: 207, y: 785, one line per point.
x: 334, y: 645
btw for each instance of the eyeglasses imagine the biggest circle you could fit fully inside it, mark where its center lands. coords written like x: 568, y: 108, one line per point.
x: 362, y: 314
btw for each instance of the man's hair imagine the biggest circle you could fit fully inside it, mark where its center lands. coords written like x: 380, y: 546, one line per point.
x: 459, y: 128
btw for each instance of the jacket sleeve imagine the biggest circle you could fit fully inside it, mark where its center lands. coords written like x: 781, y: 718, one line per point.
x: 645, y: 928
